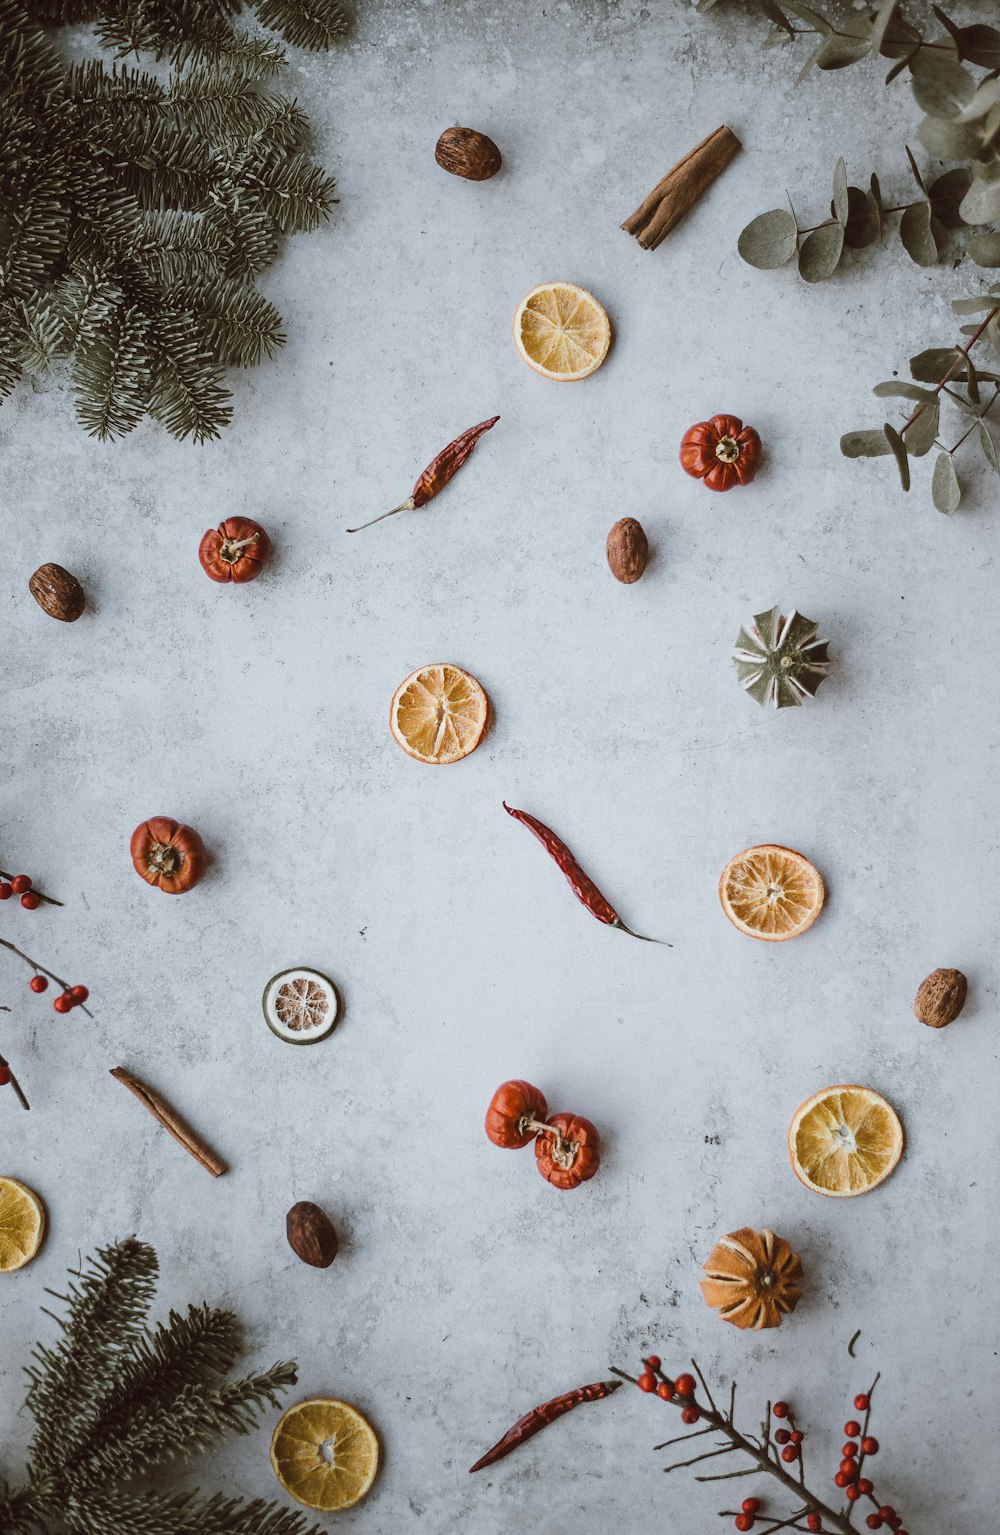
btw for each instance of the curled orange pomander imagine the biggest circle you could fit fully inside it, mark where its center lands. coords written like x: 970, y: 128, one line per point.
x: 751, y: 1278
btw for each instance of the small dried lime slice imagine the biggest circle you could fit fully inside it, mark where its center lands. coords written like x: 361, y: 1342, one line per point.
x: 300, y: 1006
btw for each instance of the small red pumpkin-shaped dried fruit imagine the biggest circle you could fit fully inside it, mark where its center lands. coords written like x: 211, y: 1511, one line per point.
x: 721, y: 452
x: 568, y: 1150
x: 752, y: 1278
x: 168, y: 855
x: 236, y: 550
x: 516, y: 1114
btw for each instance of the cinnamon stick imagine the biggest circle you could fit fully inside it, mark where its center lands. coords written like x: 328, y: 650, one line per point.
x: 678, y: 191
x: 165, y: 1115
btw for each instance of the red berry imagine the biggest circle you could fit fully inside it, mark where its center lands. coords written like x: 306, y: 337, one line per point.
x: 790, y: 1452
x: 852, y: 1429
x: 20, y: 883
x: 654, y: 1359
x: 6, y: 891
x: 780, y: 1409
x: 888, y: 1514
x: 782, y: 1436
x: 869, y: 1446
x: 750, y: 1505
x: 850, y: 1448
x: 63, y: 1003
x: 38, y: 983
x: 647, y: 1381
x: 79, y: 993
x: 840, y: 1480
x: 665, y: 1390
x: 30, y: 900
x: 874, y: 1521
x: 5, y: 1075
x: 744, y: 1521
x: 797, y: 1436
x: 852, y: 1493
x: 849, y: 1468
x: 865, y: 1487
x: 685, y: 1385
x: 690, y: 1415
x: 862, y: 1401
x: 813, y: 1522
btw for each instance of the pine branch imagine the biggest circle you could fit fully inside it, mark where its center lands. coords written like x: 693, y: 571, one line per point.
x: 126, y: 1513
x: 112, y: 376
x: 312, y: 24
x: 107, y: 1309
x: 188, y: 395
x: 239, y: 325
x: 294, y: 191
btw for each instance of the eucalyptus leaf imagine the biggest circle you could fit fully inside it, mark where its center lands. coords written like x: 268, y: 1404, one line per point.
x: 986, y: 97
x: 775, y: 39
x: 973, y: 305
x: 864, y: 222
x: 807, y: 66
x: 988, y: 446
x: 883, y: 16
x: 877, y: 192
x: 972, y: 381
x: 981, y: 203
x: 917, y: 234
x: 820, y: 252
x: 993, y: 333
x: 931, y: 366
x: 946, y: 193
x: 811, y: 17
x: 779, y: 18
x: 941, y: 85
x: 769, y: 240
x: 952, y: 28
x: 899, y: 66
x: 915, y: 169
x: 981, y: 45
x: 870, y: 444
x: 921, y: 434
x: 946, y: 492
x: 985, y: 249
x: 898, y: 388
x: 839, y: 52
x: 949, y: 140
x: 897, y: 448
x: 840, y: 191
x: 900, y: 41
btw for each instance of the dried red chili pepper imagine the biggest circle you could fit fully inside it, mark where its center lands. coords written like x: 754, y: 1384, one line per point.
x: 438, y: 472
x: 581, y: 884
x: 540, y: 1417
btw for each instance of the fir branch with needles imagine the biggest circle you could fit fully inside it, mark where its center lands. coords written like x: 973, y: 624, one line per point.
x: 114, y: 1400
x: 777, y: 1451
x: 138, y: 209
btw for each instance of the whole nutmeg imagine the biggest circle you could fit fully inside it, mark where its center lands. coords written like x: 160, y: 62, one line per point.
x: 628, y: 550
x: 57, y: 593
x: 940, y: 998
x: 464, y: 152
x: 310, y: 1234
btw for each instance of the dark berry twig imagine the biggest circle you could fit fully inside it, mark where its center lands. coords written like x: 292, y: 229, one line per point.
x: 727, y: 1449
x: 50, y: 900
x: 12, y: 1081
x: 41, y: 970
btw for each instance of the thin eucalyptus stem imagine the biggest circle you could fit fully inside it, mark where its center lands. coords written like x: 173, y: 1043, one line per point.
x: 962, y: 352
x: 981, y: 417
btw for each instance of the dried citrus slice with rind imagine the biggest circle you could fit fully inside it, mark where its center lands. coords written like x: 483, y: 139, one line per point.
x: 22, y: 1225
x: 439, y: 713
x: 300, y: 1005
x: 844, y: 1141
x: 771, y: 892
x: 561, y: 331
x: 325, y: 1454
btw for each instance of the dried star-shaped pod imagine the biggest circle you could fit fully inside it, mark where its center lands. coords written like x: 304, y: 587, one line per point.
x: 751, y: 1278
x: 779, y: 660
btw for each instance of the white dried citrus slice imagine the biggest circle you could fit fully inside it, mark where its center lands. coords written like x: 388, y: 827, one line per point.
x: 771, y: 892
x: 324, y: 1453
x: 844, y: 1141
x: 439, y: 714
x: 300, y: 1005
x: 561, y: 331
x: 22, y: 1224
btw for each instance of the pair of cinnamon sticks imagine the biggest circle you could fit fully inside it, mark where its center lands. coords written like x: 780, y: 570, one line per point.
x: 678, y: 191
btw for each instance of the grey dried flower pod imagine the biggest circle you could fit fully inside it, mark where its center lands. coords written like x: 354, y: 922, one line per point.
x: 779, y: 660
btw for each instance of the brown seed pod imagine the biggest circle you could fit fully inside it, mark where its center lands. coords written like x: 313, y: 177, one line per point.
x: 628, y: 550
x: 57, y: 593
x: 464, y: 152
x: 310, y: 1234
x: 940, y: 998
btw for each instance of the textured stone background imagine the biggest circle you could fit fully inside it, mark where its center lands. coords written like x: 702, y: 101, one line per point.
x: 467, y: 1289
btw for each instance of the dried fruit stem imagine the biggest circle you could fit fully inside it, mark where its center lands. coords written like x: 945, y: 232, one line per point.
x: 404, y: 506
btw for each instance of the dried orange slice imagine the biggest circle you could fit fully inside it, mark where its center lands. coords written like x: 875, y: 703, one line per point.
x: 771, y: 892
x: 844, y: 1141
x: 324, y: 1453
x: 300, y: 1005
x: 439, y: 713
x: 561, y: 331
x: 22, y: 1225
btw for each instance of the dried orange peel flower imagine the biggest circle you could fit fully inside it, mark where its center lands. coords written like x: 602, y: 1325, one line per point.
x: 752, y: 1278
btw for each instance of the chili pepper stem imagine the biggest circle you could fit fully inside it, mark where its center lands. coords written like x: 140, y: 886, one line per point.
x: 642, y: 937
x: 408, y: 505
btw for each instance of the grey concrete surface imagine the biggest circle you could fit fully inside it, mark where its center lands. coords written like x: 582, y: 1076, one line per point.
x: 467, y: 1289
